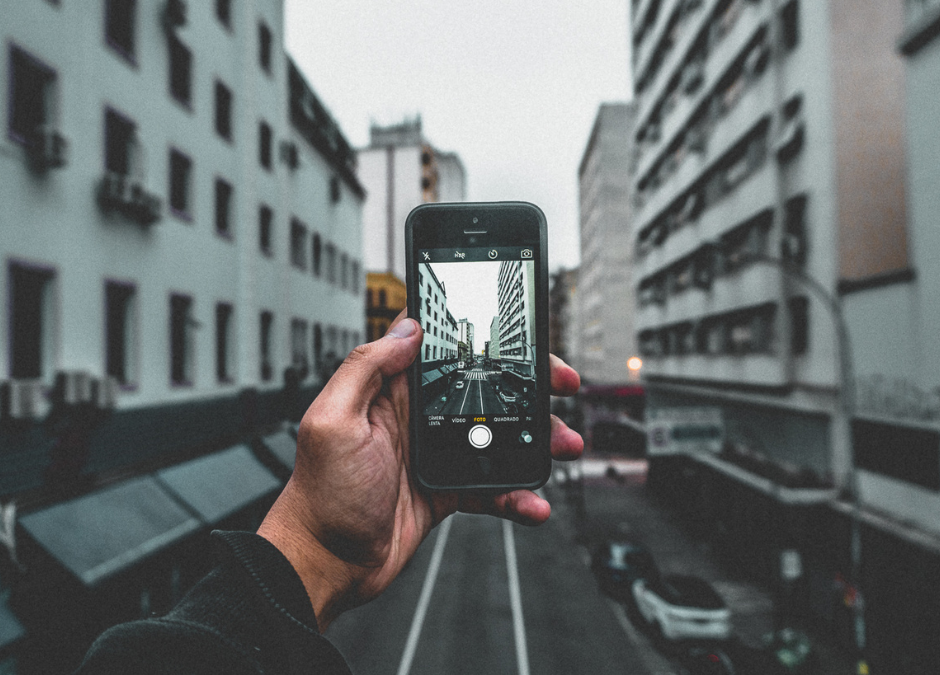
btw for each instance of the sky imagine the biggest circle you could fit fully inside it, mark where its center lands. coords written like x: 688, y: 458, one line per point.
x: 472, y: 294
x: 511, y: 86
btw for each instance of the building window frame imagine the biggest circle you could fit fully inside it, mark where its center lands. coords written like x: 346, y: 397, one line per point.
x: 223, y: 198
x: 180, y: 186
x: 298, y: 244
x: 265, y: 145
x: 223, y: 100
x: 121, y: 332
x: 120, y: 160
x: 224, y: 349
x: 265, y: 48
x: 41, y: 325
x: 266, y: 361
x: 182, y: 334
x: 266, y: 230
x: 223, y: 12
x: 120, y: 16
x: 22, y: 132
x: 180, y: 71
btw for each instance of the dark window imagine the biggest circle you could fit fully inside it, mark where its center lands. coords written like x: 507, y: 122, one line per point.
x: 265, y: 141
x: 223, y: 327
x: 317, y: 254
x: 181, y: 71
x: 119, y: 25
x: 317, y: 344
x: 265, y: 227
x: 223, y: 10
x: 335, y: 193
x: 29, y: 315
x: 119, y: 138
x: 331, y: 263
x: 799, y: 324
x: 355, y: 277
x: 298, y: 244
x: 790, y: 24
x: 344, y: 271
x: 181, y: 339
x: 223, y: 111
x: 369, y: 298
x: 299, y: 341
x: 383, y: 299
x: 267, y: 369
x: 181, y: 169
x: 905, y: 453
x: 223, y: 207
x: 264, y: 46
x: 119, y: 328
x: 31, y: 90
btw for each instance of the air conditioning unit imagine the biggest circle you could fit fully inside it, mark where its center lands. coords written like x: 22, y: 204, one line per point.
x: 104, y: 392
x: 790, y: 141
x: 290, y: 154
x: 75, y: 385
x: 27, y: 399
x: 112, y: 191
x: 47, y: 148
x: 142, y: 206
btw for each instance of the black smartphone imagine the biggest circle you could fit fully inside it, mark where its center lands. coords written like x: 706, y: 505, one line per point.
x: 477, y: 279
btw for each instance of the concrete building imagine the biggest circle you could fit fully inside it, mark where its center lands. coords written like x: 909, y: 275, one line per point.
x: 493, y: 343
x: 607, y: 298
x: 465, y: 338
x: 181, y: 245
x: 517, y: 334
x: 400, y: 170
x: 774, y: 188
x: 440, y: 330
x: 386, y: 297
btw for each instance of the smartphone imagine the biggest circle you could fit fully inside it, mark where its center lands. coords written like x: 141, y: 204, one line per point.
x: 477, y: 280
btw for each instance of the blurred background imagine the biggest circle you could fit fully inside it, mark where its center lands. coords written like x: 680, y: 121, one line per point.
x: 202, y: 214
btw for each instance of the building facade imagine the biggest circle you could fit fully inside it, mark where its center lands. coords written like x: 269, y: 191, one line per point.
x: 492, y: 350
x: 400, y: 169
x: 607, y: 298
x: 440, y: 329
x: 776, y: 202
x: 386, y: 297
x: 181, y: 246
x: 517, y: 332
x: 465, y: 339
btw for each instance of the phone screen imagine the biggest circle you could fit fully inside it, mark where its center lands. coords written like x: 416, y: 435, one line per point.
x: 478, y: 362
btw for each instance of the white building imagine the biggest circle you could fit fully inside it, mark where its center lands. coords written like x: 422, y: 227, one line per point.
x: 400, y: 170
x: 517, y: 333
x: 465, y: 334
x: 605, y: 284
x: 440, y: 329
x: 494, y: 338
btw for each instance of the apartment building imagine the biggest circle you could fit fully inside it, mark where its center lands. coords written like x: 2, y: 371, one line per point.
x: 441, y: 332
x: 772, y: 210
x: 182, y: 249
x: 517, y: 330
x: 607, y: 298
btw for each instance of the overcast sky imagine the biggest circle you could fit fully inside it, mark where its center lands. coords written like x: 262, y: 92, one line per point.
x: 512, y: 86
x: 472, y: 294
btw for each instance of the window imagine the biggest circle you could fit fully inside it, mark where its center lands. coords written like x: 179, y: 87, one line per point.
x: 182, y: 340
x: 223, y: 111
x: 120, y: 331
x: 267, y: 369
x: 298, y: 244
x: 181, y: 70
x: 265, y: 140
x: 264, y: 47
x: 344, y: 271
x: 223, y: 340
x: 317, y: 345
x: 355, y: 277
x: 223, y: 12
x: 298, y: 341
x: 120, y: 143
x: 799, y: 324
x: 181, y: 168
x: 317, y: 252
x: 223, y: 207
x: 265, y: 226
x: 331, y: 263
x: 31, y: 93
x: 119, y: 26
x: 31, y: 322
x: 382, y: 297
x: 790, y: 24
x: 334, y: 189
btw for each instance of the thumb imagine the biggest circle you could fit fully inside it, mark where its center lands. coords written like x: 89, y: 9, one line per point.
x: 359, y: 378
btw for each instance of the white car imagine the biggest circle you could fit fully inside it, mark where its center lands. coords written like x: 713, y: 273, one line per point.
x: 459, y: 385
x: 682, y: 608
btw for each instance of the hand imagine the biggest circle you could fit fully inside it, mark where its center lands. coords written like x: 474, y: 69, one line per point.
x: 352, y: 516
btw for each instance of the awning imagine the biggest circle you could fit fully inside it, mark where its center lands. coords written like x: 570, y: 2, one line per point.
x: 282, y: 446
x: 11, y: 629
x: 218, y: 485
x: 431, y: 376
x: 102, y: 533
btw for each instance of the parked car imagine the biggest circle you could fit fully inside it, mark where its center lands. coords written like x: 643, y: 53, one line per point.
x: 459, y: 385
x: 508, y: 397
x: 679, y: 607
x: 618, y: 563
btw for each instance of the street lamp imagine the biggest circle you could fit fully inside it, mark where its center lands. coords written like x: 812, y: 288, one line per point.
x: 844, y: 421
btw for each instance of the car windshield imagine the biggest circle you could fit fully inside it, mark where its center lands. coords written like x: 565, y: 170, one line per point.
x: 691, y: 592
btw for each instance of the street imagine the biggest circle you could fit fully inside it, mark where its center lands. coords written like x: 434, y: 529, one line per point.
x: 476, y: 391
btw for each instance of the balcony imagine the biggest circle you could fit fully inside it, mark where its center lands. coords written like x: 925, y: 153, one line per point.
x: 128, y: 196
x: 756, y: 193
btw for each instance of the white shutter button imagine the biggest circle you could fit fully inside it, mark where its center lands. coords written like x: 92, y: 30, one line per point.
x: 480, y: 436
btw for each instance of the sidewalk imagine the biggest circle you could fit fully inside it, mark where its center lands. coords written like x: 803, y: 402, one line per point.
x: 619, y: 505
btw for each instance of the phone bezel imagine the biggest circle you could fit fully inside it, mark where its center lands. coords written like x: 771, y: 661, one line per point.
x: 442, y: 225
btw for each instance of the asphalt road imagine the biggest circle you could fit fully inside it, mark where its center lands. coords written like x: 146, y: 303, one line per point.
x: 487, y: 597
x: 476, y: 397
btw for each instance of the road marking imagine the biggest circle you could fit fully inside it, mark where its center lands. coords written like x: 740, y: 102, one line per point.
x: 464, y: 399
x: 424, y: 599
x: 653, y: 662
x: 482, y: 409
x: 515, y: 599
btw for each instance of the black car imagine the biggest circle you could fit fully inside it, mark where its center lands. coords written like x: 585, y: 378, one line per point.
x: 618, y: 563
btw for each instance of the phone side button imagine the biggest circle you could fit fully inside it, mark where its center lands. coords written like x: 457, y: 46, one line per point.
x: 485, y: 465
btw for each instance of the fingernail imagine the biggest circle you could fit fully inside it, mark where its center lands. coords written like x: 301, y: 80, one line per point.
x: 404, y: 328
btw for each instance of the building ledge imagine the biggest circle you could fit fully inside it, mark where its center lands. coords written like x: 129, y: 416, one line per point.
x: 905, y: 530
x: 922, y: 33
x: 902, y: 276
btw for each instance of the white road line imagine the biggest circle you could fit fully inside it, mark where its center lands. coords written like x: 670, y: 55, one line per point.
x: 482, y: 409
x: 462, y: 403
x: 424, y: 599
x: 515, y: 599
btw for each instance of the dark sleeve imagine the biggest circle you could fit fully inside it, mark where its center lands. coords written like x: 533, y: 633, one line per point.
x: 251, y: 614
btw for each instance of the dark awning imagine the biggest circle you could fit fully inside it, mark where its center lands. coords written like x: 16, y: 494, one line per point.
x: 282, y: 446
x: 431, y: 376
x: 11, y: 629
x: 102, y: 533
x: 218, y: 485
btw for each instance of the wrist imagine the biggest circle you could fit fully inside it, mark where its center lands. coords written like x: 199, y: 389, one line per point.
x: 329, y: 581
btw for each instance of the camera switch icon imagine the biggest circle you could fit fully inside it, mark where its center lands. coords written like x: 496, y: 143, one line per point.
x: 526, y: 253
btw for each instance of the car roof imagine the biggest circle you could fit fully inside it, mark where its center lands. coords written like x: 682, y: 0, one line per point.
x: 689, y: 591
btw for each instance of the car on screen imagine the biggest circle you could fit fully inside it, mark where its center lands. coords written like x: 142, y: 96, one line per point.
x: 459, y: 385
x: 680, y: 607
x: 617, y: 563
x: 508, y: 397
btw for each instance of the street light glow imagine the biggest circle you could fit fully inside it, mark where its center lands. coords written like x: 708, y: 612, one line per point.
x: 634, y: 363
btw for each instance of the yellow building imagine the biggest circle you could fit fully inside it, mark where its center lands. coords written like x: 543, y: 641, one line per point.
x: 385, y: 298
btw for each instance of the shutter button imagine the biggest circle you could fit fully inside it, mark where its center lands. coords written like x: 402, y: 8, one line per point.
x: 480, y: 436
